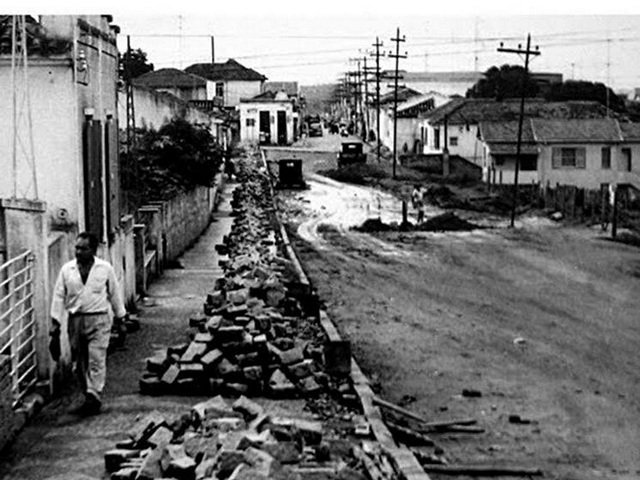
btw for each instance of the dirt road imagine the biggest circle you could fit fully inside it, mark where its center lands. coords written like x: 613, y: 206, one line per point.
x: 541, y: 320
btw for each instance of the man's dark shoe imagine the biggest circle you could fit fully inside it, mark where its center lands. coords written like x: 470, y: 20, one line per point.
x: 91, y: 406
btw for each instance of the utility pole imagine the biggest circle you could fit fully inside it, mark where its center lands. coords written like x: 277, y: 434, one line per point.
x: 21, y: 107
x: 131, y: 117
x: 527, y: 52
x: 365, y: 81
x: 397, y: 56
x: 376, y: 70
x: 357, y: 89
x: 213, y: 50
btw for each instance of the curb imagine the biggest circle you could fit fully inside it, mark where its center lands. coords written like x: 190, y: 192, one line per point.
x: 405, y: 462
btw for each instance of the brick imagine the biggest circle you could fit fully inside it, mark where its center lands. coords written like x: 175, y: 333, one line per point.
x: 216, y: 298
x: 293, y: 355
x: 150, y: 469
x: 280, y: 385
x: 248, y: 408
x: 229, y: 334
x: 170, y: 453
x: 203, y: 337
x: 237, y: 388
x: 161, y: 436
x: 113, y: 459
x: 234, y: 311
x: 193, y: 352
x: 242, y: 321
x: 248, y: 359
x: 215, y: 407
x: 311, y: 431
x: 191, y: 370
x: 253, y: 374
x: 227, y: 461
x: 301, y: 369
x: 261, y: 461
x: 309, y: 385
x: 226, y: 368
x: 144, y: 427
x: 197, y: 445
x: 213, y: 324
x: 210, y: 358
x: 182, y: 469
x: 238, y: 297
x: 170, y: 375
x: 284, y: 452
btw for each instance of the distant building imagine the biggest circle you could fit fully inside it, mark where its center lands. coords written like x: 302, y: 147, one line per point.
x: 269, y: 118
x: 185, y: 86
x: 292, y: 89
x: 445, y: 83
x: 583, y: 152
x: 461, y: 116
x: 232, y: 81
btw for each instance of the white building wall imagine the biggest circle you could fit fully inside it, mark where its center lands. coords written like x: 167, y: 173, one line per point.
x: 235, y: 90
x: 469, y: 146
x: 251, y: 111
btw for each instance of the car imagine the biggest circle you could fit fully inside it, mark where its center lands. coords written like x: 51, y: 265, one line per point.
x: 351, y: 153
x: 315, y: 129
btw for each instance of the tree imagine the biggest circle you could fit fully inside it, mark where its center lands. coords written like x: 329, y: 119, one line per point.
x: 584, y: 90
x: 133, y: 64
x: 503, y: 82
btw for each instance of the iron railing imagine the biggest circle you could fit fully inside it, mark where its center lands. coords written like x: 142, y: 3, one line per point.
x: 18, y: 324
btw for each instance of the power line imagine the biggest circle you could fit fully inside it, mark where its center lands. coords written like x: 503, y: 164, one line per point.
x: 397, y: 56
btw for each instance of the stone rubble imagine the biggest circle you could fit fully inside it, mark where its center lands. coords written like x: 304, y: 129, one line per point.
x: 234, y: 441
x: 259, y: 333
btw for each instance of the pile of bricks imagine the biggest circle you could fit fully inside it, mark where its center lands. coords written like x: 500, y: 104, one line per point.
x: 237, y: 441
x: 259, y: 333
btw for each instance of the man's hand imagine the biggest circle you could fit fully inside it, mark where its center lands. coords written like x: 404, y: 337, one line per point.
x: 55, y: 325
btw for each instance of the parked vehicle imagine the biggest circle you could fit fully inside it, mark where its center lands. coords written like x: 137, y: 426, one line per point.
x: 351, y: 153
x: 290, y: 174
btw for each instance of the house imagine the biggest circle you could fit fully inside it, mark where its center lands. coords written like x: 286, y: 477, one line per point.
x: 65, y: 178
x: 445, y: 83
x: 268, y: 118
x: 409, y: 135
x: 183, y: 85
x: 583, y: 152
x: 232, y: 81
x: 292, y: 89
x: 460, y: 118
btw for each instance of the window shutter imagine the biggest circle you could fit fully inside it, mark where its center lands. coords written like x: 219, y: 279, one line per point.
x: 556, y: 157
x: 581, y: 160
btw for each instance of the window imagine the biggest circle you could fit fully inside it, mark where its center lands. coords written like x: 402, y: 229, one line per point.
x: 219, y: 89
x: 606, y: 158
x: 453, y: 141
x: 436, y: 138
x: 626, y: 159
x: 528, y: 163
x: 568, y: 157
x: 251, y: 122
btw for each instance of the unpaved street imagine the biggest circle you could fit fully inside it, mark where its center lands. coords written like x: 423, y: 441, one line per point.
x: 541, y: 322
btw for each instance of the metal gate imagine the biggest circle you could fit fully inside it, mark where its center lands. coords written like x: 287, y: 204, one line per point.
x: 17, y: 326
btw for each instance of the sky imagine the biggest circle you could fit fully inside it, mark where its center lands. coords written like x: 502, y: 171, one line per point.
x: 317, y: 42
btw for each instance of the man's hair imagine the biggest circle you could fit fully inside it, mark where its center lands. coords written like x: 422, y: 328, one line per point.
x: 93, y: 239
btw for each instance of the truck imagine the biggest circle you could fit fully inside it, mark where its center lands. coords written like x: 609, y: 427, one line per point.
x: 351, y: 153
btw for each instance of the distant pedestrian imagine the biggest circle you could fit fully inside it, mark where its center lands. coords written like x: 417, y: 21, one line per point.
x: 86, y: 287
x: 417, y: 201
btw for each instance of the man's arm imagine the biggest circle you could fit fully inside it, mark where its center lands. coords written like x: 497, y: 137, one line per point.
x: 115, y: 297
x: 57, y: 301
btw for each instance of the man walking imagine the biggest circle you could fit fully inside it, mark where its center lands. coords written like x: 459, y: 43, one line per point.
x: 85, y: 288
x: 417, y: 199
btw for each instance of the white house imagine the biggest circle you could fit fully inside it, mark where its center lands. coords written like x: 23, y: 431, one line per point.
x: 268, y: 119
x: 231, y: 81
x: 460, y: 118
x: 582, y: 152
x: 185, y: 86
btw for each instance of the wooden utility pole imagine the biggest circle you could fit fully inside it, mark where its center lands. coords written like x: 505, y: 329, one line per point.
x: 397, y: 56
x: 131, y: 117
x: 527, y: 52
x: 365, y: 104
x: 378, y: 44
x: 213, y: 50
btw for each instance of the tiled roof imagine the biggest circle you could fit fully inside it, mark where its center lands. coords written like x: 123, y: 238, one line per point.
x: 476, y: 110
x: 404, y: 93
x: 576, y: 130
x: 290, y: 88
x: 499, y: 132
x: 268, y: 96
x: 512, y: 149
x: 169, y: 77
x: 230, y: 70
x: 630, y: 131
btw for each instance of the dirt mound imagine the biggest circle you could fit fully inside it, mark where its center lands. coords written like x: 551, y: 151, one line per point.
x: 448, y: 221
x: 374, y: 225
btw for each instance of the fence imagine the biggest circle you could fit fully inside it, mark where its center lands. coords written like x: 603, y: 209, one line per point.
x: 17, y: 328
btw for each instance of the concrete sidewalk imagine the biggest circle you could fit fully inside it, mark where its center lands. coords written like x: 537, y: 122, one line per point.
x: 60, y: 446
